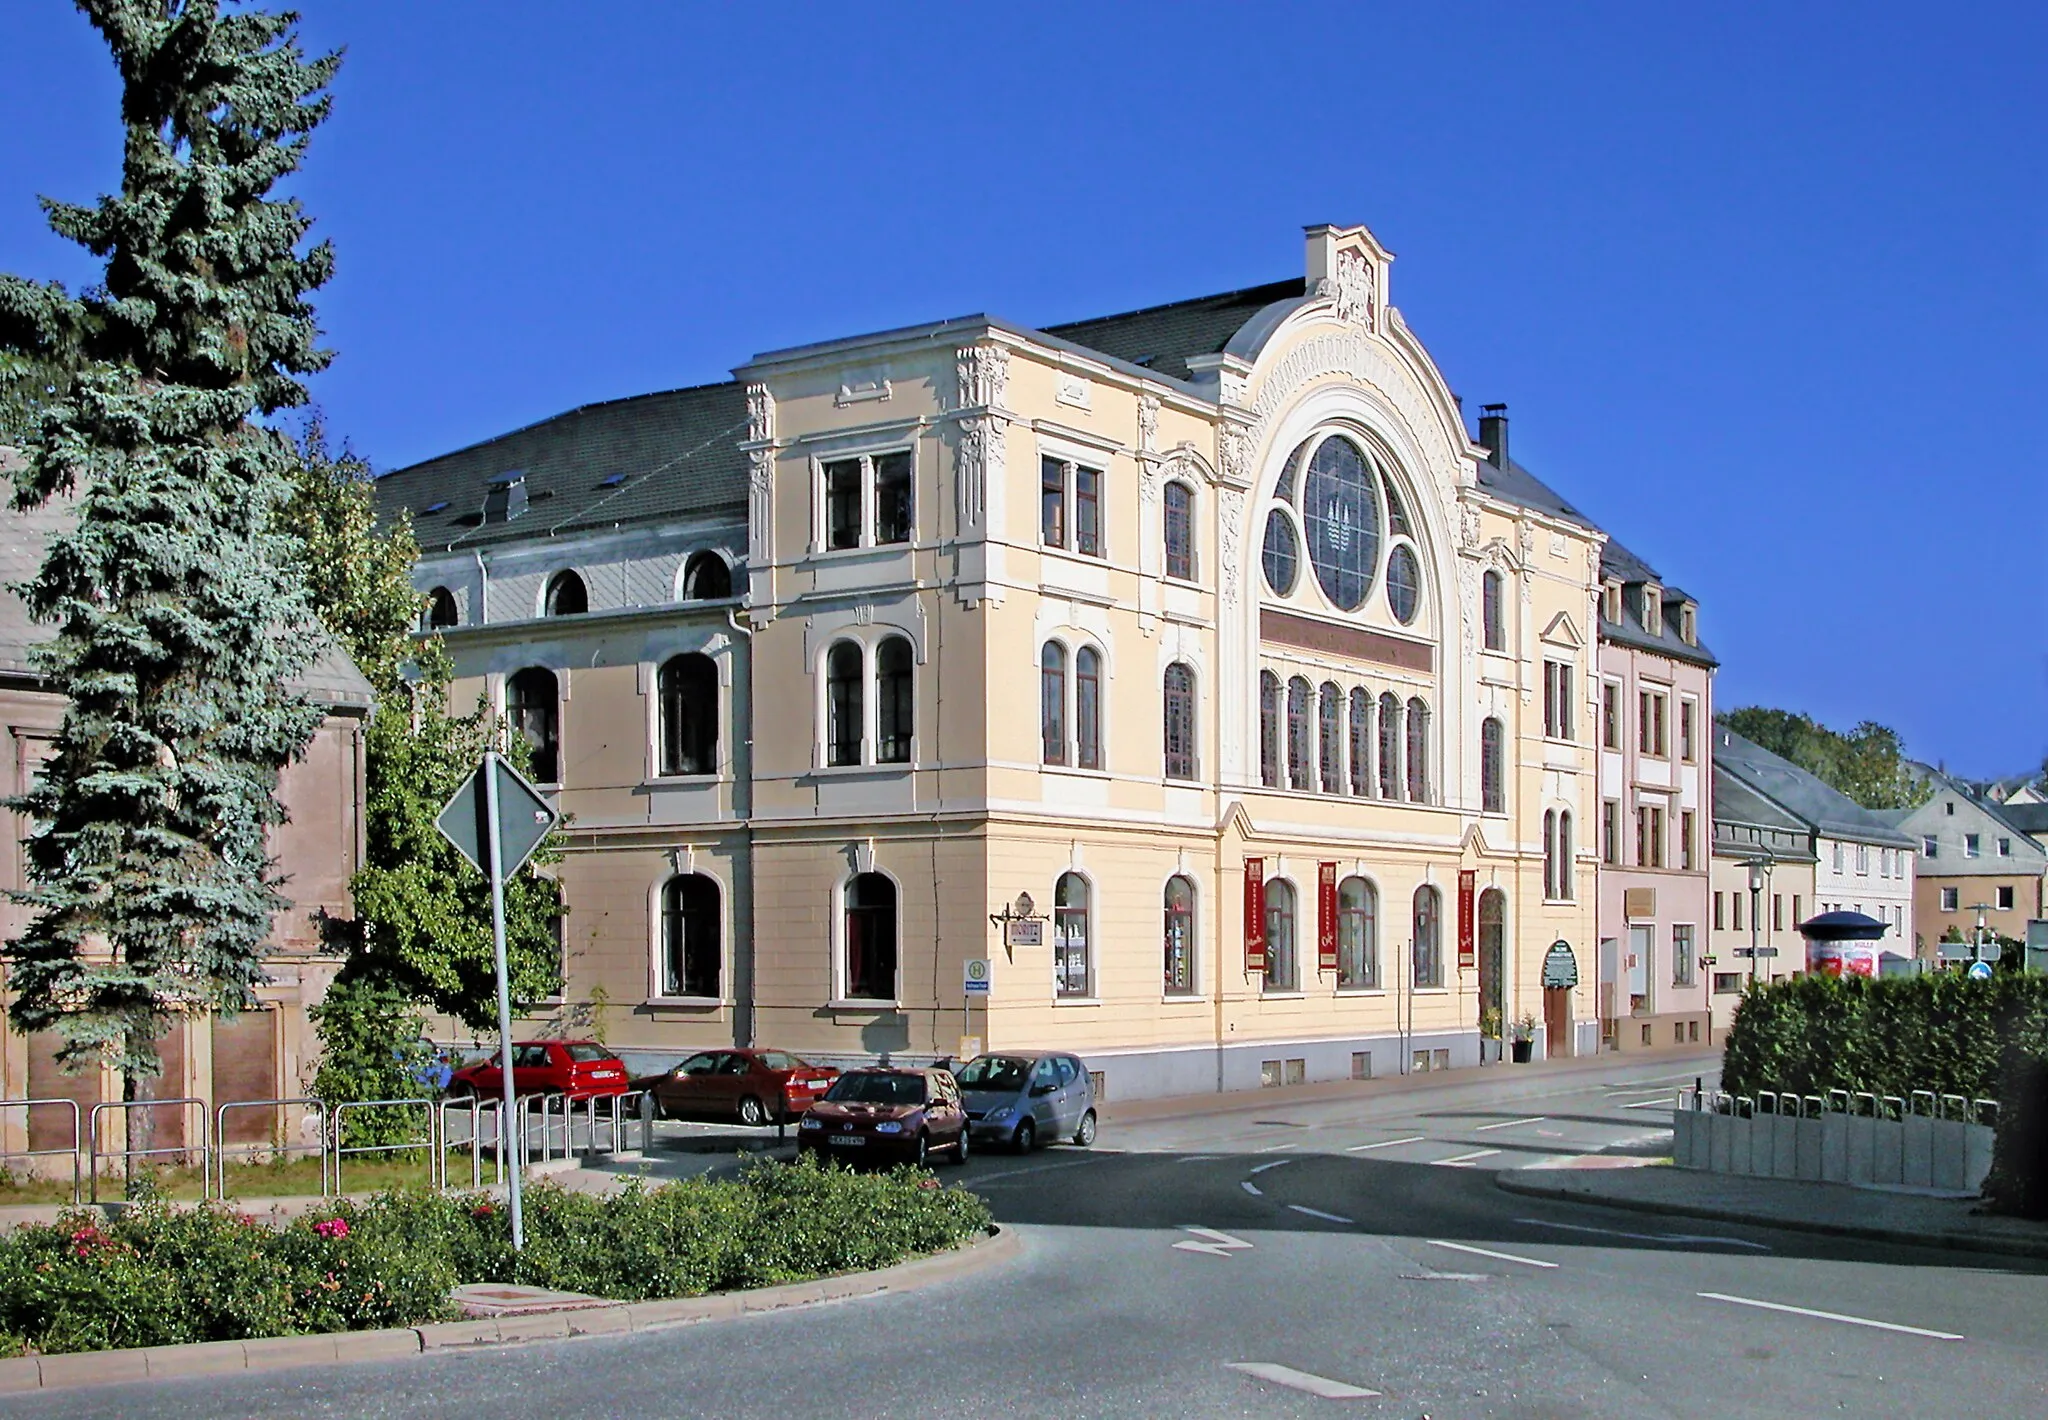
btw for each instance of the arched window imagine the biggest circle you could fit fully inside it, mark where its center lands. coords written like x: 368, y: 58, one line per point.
x: 1283, y: 962
x: 1180, y: 531
x: 844, y: 711
x: 691, y: 953
x: 1070, y: 959
x: 1390, y: 747
x: 1300, y: 749
x: 566, y: 596
x: 1418, y: 752
x: 870, y: 925
x: 706, y: 577
x: 1404, y: 583
x: 1492, y: 767
x: 439, y: 612
x: 1342, y: 520
x: 1361, y: 742
x: 1269, y: 729
x: 1052, y: 701
x: 1088, y: 708
x: 894, y: 717
x: 1493, y: 937
x: 1180, y: 936
x: 1550, y: 854
x: 1358, y: 935
x: 1429, y: 947
x: 687, y: 689
x: 1330, y: 735
x: 1490, y: 612
x: 1564, y: 855
x: 1180, y: 722
x: 533, y: 701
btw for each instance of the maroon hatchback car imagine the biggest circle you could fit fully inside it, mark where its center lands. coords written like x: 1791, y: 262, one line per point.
x: 885, y: 1116
x: 751, y: 1086
x: 580, y: 1069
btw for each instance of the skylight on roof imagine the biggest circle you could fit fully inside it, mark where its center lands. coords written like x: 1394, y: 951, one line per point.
x: 435, y: 507
x: 611, y: 480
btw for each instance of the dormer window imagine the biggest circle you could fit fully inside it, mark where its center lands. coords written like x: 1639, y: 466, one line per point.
x: 566, y: 596
x: 1653, y: 609
x: 1610, y: 602
x: 1688, y: 625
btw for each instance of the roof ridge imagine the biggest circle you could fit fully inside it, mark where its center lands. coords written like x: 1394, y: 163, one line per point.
x: 1169, y: 305
x: 571, y: 411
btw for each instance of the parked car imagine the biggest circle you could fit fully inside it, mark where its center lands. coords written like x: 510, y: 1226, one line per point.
x: 1024, y: 1099
x: 580, y: 1069
x: 751, y: 1086
x: 887, y: 1116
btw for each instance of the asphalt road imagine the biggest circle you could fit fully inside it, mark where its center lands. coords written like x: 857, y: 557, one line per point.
x: 1345, y: 1246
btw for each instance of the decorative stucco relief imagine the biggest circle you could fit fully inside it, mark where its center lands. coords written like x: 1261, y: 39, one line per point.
x: 1230, y: 513
x: 1148, y: 423
x: 1354, y: 292
x: 760, y: 472
x: 983, y: 376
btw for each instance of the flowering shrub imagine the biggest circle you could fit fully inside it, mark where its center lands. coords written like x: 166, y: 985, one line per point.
x: 160, y: 1275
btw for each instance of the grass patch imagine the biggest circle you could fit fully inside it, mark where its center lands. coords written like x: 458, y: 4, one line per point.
x: 164, y: 1274
x: 292, y: 1177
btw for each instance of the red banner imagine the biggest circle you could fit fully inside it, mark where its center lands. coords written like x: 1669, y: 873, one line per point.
x: 1326, y: 916
x: 1468, y: 947
x: 1255, y: 915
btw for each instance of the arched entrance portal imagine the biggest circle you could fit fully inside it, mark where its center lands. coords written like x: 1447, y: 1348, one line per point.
x: 1493, y: 933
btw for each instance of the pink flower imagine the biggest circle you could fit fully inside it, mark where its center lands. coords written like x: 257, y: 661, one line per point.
x: 332, y: 1228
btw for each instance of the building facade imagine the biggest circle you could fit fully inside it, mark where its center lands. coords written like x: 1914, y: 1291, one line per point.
x: 1197, y: 627
x: 1760, y: 890
x: 1973, y: 864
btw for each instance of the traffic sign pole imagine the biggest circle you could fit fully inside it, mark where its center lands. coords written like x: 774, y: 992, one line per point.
x: 494, y: 865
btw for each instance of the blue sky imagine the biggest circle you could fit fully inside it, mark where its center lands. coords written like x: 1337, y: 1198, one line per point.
x: 1764, y: 286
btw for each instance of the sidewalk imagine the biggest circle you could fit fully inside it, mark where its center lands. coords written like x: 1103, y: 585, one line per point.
x: 1837, y: 1210
x: 1278, y: 1097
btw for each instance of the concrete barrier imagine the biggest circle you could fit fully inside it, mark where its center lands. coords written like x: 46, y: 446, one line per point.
x: 1824, y: 1145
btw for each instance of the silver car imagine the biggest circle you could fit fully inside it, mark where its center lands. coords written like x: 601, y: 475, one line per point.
x: 1026, y: 1099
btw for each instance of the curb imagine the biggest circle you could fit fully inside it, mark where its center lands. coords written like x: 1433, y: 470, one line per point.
x: 23, y: 1374
x: 1507, y: 1181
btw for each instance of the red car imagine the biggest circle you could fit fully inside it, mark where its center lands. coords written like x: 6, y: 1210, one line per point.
x: 887, y: 1117
x: 751, y: 1086
x: 580, y: 1069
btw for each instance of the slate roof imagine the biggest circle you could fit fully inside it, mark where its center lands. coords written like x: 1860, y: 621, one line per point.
x: 2030, y: 819
x: 1823, y: 808
x: 332, y: 679
x: 1736, y: 802
x: 670, y: 455
x: 1161, y: 338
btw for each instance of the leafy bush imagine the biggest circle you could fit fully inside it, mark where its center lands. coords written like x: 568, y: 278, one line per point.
x: 161, y: 1275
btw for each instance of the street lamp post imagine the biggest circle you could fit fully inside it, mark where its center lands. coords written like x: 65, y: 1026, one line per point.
x: 1759, y: 879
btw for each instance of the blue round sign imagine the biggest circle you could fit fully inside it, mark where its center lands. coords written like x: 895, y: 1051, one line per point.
x: 1980, y: 971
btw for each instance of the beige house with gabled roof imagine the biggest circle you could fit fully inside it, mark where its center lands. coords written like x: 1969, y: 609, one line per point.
x: 1196, y: 626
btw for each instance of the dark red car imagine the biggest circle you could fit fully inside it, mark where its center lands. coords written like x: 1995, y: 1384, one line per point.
x: 751, y: 1086
x: 580, y: 1069
x: 887, y: 1116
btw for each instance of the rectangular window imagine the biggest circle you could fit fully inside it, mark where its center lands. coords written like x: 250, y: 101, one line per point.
x: 1087, y: 512
x: 1610, y: 716
x: 1656, y: 838
x: 1642, y: 836
x: 2005, y: 898
x: 1948, y: 899
x: 1557, y: 700
x: 842, y: 504
x: 1719, y: 923
x: 1685, y: 827
x: 1929, y: 848
x: 1735, y: 901
x: 1863, y: 860
x: 1681, y: 954
x: 1180, y: 532
x: 1610, y: 832
x: 1727, y: 983
x: 1650, y: 738
x: 1797, y: 915
x: 1777, y: 912
x: 1052, y: 503
x: 2005, y: 847
x: 1972, y: 846
x: 1687, y: 750
x: 1838, y: 857
x: 892, y: 499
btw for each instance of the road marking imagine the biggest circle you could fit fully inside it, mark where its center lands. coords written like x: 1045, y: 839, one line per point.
x: 1649, y: 1104
x: 1319, y: 1213
x: 995, y: 1178
x: 1830, y: 1316
x: 1482, y: 1252
x: 1464, y: 1161
x: 1210, y: 1241
x: 1252, y: 1188
x: 1275, y: 1164
x: 1198, y: 1158
x: 1646, y: 1237
x: 1302, y: 1380
x: 1272, y: 1148
x: 1510, y: 1123
x: 1386, y: 1144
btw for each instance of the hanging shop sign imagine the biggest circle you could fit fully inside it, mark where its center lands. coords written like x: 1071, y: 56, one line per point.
x: 1560, y: 967
x: 1468, y: 938
x: 1326, y: 916
x: 1255, y: 916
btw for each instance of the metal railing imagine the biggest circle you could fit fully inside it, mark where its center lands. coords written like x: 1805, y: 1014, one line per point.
x: 280, y: 1145
x: 77, y: 1173
x: 128, y: 1151
x: 340, y: 1150
x: 1925, y: 1104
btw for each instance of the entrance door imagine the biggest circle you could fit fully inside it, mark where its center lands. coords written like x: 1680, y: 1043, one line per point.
x: 1557, y: 1022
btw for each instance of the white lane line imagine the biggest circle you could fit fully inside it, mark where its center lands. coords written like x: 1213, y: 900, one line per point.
x: 1649, y: 1104
x: 1302, y: 1380
x: 1830, y: 1316
x: 992, y: 1179
x: 1252, y: 1188
x: 1386, y: 1143
x: 1272, y: 1148
x: 1510, y: 1123
x: 1275, y: 1164
x: 1482, y: 1252
x: 1646, y: 1237
x: 1460, y: 1161
x: 1319, y: 1213
x: 1198, y: 1159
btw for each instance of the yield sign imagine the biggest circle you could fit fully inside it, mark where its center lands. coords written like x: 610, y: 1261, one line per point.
x: 524, y: 818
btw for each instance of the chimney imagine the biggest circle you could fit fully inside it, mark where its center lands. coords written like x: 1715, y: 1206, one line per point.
x: 1493, y: 432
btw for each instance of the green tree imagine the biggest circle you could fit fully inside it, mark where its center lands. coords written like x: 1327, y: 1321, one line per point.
x: 1868, y: 764
x: 178, y: 613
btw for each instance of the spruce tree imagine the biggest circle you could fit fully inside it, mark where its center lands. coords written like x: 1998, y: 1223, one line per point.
x: 179, y: 617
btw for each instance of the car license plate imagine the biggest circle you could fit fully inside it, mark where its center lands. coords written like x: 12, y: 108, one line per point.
x: 847, y: 1139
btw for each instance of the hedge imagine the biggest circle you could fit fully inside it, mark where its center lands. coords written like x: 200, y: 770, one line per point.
x: 1894, y: 1035
x: 161, y: 1275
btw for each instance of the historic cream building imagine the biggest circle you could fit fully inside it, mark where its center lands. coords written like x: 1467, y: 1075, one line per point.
x: 1196, y: 625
